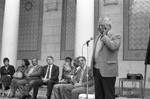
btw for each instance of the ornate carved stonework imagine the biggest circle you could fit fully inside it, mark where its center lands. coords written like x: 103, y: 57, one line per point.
x: 30, y: 29
x: 68, y: 26
x: 136, y: 29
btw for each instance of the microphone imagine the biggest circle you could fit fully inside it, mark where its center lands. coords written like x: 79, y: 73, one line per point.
x: 87, y: 42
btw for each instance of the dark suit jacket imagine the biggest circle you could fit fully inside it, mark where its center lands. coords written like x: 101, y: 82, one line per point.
x: 54, y: 72
x: 10, y: 71
x: 36, y: 72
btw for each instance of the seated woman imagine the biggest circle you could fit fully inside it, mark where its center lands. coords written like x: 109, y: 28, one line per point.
x: 67, y: 71
x: 13, y: 86
x: 7, y: 72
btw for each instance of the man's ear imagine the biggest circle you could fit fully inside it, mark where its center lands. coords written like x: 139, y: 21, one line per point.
x: 109, y: 27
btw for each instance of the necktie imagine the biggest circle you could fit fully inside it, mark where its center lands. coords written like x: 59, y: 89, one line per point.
x: 48, y: 72
x: 81, y: 76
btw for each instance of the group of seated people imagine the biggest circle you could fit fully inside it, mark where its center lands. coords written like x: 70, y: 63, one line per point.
x: 74, y: 79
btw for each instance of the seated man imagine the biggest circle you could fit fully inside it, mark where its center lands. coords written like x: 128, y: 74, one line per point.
x: 79, y: 82
x: 32, y: 73
x: 49, y: 75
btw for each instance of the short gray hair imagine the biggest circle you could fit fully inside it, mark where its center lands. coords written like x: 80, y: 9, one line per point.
x: 106, y: 20
x: 50, y: 57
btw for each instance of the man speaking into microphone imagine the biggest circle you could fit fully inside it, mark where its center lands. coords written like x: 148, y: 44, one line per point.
x: 104, y: 60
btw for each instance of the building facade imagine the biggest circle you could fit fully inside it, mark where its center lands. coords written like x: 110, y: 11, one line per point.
x: 52, y: 32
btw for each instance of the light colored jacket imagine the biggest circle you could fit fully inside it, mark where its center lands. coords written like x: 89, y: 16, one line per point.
x: 36, y: 72
x: 108, y: 54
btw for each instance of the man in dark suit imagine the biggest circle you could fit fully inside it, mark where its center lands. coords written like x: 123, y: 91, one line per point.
x: 49, y: 75
x: 104, y: 60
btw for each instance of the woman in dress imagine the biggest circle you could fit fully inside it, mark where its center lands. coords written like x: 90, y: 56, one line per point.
x: 13, y: 86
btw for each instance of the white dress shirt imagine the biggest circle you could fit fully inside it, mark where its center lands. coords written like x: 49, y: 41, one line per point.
x: 49, y: 68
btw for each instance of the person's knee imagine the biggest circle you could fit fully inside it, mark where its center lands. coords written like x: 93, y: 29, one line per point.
x: 74, y: 92
x: 20, y: 81
x: 62, y: 87
x: 50, y: 83
x: 12, y: 82
x: 31, y: 82
x: 55, y: 89
x: 56, y: 86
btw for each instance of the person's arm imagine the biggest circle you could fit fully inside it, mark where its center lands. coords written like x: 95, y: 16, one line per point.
x: 2, y: 71
x: 42, y: 72
x: 26, y: 72
x: 18, y: 69
x: 62, y: 77
x: 12, y: 71
x: 74, y: 80
x: 90, y: 82
x: 36, y: 73
x: 68, y: 75
x: 112, y: 43
x: 75, y: 77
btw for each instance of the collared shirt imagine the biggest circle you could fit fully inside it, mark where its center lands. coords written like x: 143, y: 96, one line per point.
x: 97, y: 49
x: 32, y: 69
x: 6, y: 67
x: 81, y: 76
x: 49, y: 69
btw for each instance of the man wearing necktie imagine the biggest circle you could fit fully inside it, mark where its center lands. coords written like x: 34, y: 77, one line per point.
x: 104, y: 60
x: 78, y: 82
x: 50, y: 73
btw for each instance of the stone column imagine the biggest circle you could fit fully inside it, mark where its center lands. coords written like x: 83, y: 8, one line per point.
x: 84, y: 26
x: 10, y: 31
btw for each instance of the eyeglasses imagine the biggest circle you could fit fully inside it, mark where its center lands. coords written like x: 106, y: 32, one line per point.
x: 49, y: 59
x: 81, y: 60
x: 102, y: 26
x: 67, y: 61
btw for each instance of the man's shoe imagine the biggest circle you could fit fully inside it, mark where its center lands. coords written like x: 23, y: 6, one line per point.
x: 10, y: 96
x: 24, y: 97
